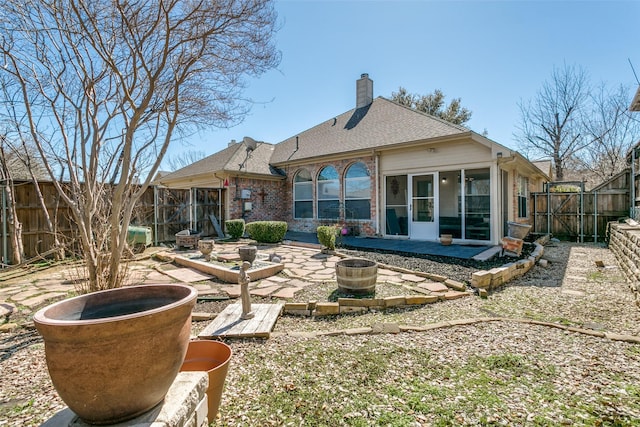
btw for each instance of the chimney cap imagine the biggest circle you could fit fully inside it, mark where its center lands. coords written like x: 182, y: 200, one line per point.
x: 364, y: 75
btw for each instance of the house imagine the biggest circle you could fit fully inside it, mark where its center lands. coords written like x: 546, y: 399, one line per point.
x: 381, y: 169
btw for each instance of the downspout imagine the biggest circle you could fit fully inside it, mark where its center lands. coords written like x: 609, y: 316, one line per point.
x: 220, y: 186
x: 377, y: 184
x: 4, y: 227
x: 632, y: 202
x: 155, y: 215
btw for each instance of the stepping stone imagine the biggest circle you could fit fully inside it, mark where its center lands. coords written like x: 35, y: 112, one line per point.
x: 267, y: 283
x: 201, y: 287
x: 300, y: 272
x: 6, y: 309
x: 40, y: 299
x: 434, y: 286
x: 26, y: 294
x: 188, y: 275
x: 278, y: 279
x: 263, y: 292
x: 286, y: 293
x: 330, y: 271
x: 298, y: 283
x: 412, y: 278
x: 322, y: 277
x: 157, y: 277
x: 232, y: 290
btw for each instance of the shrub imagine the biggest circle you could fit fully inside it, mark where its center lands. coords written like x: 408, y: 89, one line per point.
x: 267, y: 231
x: 327, y: 236
x: 235, y: 228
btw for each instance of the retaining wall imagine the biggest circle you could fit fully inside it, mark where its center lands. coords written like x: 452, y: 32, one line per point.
x: 624, y: 242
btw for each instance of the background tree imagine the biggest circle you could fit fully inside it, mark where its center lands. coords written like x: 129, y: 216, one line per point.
x: 585, y: 130
x: 612, y: 130
x: 184, y: 158
x: 434, y: 105
x: 551, y: 123
x: 104, y: 87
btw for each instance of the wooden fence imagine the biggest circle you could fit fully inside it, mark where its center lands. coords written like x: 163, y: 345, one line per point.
x: 580, y: 216
x: 173, y: 211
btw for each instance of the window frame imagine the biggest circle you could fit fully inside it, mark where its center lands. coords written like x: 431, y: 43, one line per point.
x: 296, y: 201
x: 522, y: 196
x: 347, y: 180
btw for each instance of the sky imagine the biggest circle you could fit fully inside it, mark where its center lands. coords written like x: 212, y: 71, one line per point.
x: 491, y: 54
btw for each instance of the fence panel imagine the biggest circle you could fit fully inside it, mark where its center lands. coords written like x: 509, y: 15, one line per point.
x: 176, y: 210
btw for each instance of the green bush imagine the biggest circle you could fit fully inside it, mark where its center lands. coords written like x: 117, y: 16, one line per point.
x: 327, y: 236
x: 267, y: 231
x: 235, y: 228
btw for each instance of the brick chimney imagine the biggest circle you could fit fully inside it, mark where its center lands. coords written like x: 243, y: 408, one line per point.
x: 364, y: 91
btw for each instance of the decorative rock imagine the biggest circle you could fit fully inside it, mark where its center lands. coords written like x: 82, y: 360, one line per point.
x: 8, y: 327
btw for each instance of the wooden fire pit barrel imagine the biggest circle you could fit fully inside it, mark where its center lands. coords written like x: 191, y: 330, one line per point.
x: 357, y: 276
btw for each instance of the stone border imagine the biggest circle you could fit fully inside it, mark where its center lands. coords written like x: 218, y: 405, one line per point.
x: 486, y: 280
x: 394, y: 328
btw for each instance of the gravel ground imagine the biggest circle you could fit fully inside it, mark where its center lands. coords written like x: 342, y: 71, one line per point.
x: 599, y: 377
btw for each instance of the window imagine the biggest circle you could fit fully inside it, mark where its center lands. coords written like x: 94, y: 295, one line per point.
x: 357, y: 192
x: 302, y: 195
x: 328, y: 193
x: 523, y: 197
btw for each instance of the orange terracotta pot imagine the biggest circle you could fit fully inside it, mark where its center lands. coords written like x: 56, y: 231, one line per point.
x: 212, y: 357
x: 112, y: 355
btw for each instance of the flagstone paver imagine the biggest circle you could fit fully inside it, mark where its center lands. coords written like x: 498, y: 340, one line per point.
x: 434, y: 286
x: 188, y: 275
x: 298, y: 283
x: 232, y: 290
x: 19, y: 297
x: 286, y: 293
x: 41, y: 299
x: 263, y: 292
x: 412, y: 278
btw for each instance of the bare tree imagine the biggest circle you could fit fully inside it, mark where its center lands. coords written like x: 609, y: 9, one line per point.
x: 17, y: 249
x: 106, y: 85
x: 184, y: 158
x: 612, y: 131
x: 434, y: 105
x: 551, y: 124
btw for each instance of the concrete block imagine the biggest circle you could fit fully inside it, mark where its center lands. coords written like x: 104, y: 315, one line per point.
x: 326, y: 308
x: 385, y: 328
x: 360, y: 302
x: 484, y: 294
x: 481, y: 279
x: 177, y: 409
x: 296, y: 306
x: 351, y: 309
x: 455, y: 285
x: 420, y: 299
x: 394, y: 301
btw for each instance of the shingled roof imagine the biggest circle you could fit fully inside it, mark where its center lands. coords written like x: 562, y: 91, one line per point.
x: 383, y: 123
x: 233, y: 159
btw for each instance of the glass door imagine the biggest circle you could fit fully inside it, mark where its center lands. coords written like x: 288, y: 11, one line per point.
x: 423, y: 207
x: 396, y: 215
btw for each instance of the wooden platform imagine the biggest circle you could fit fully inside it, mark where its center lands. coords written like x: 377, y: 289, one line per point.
x: 228, y: 324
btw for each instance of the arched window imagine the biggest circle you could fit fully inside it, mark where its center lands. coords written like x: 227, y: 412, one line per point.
x: 302, y: 195
x: 357, y: 192
x: 328, y: 193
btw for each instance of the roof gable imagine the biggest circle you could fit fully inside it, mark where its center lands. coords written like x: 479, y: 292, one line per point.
x: 235, y: 158
x: 379, y: 124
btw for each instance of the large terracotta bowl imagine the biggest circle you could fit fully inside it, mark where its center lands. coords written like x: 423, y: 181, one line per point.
x: 112, y: 355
